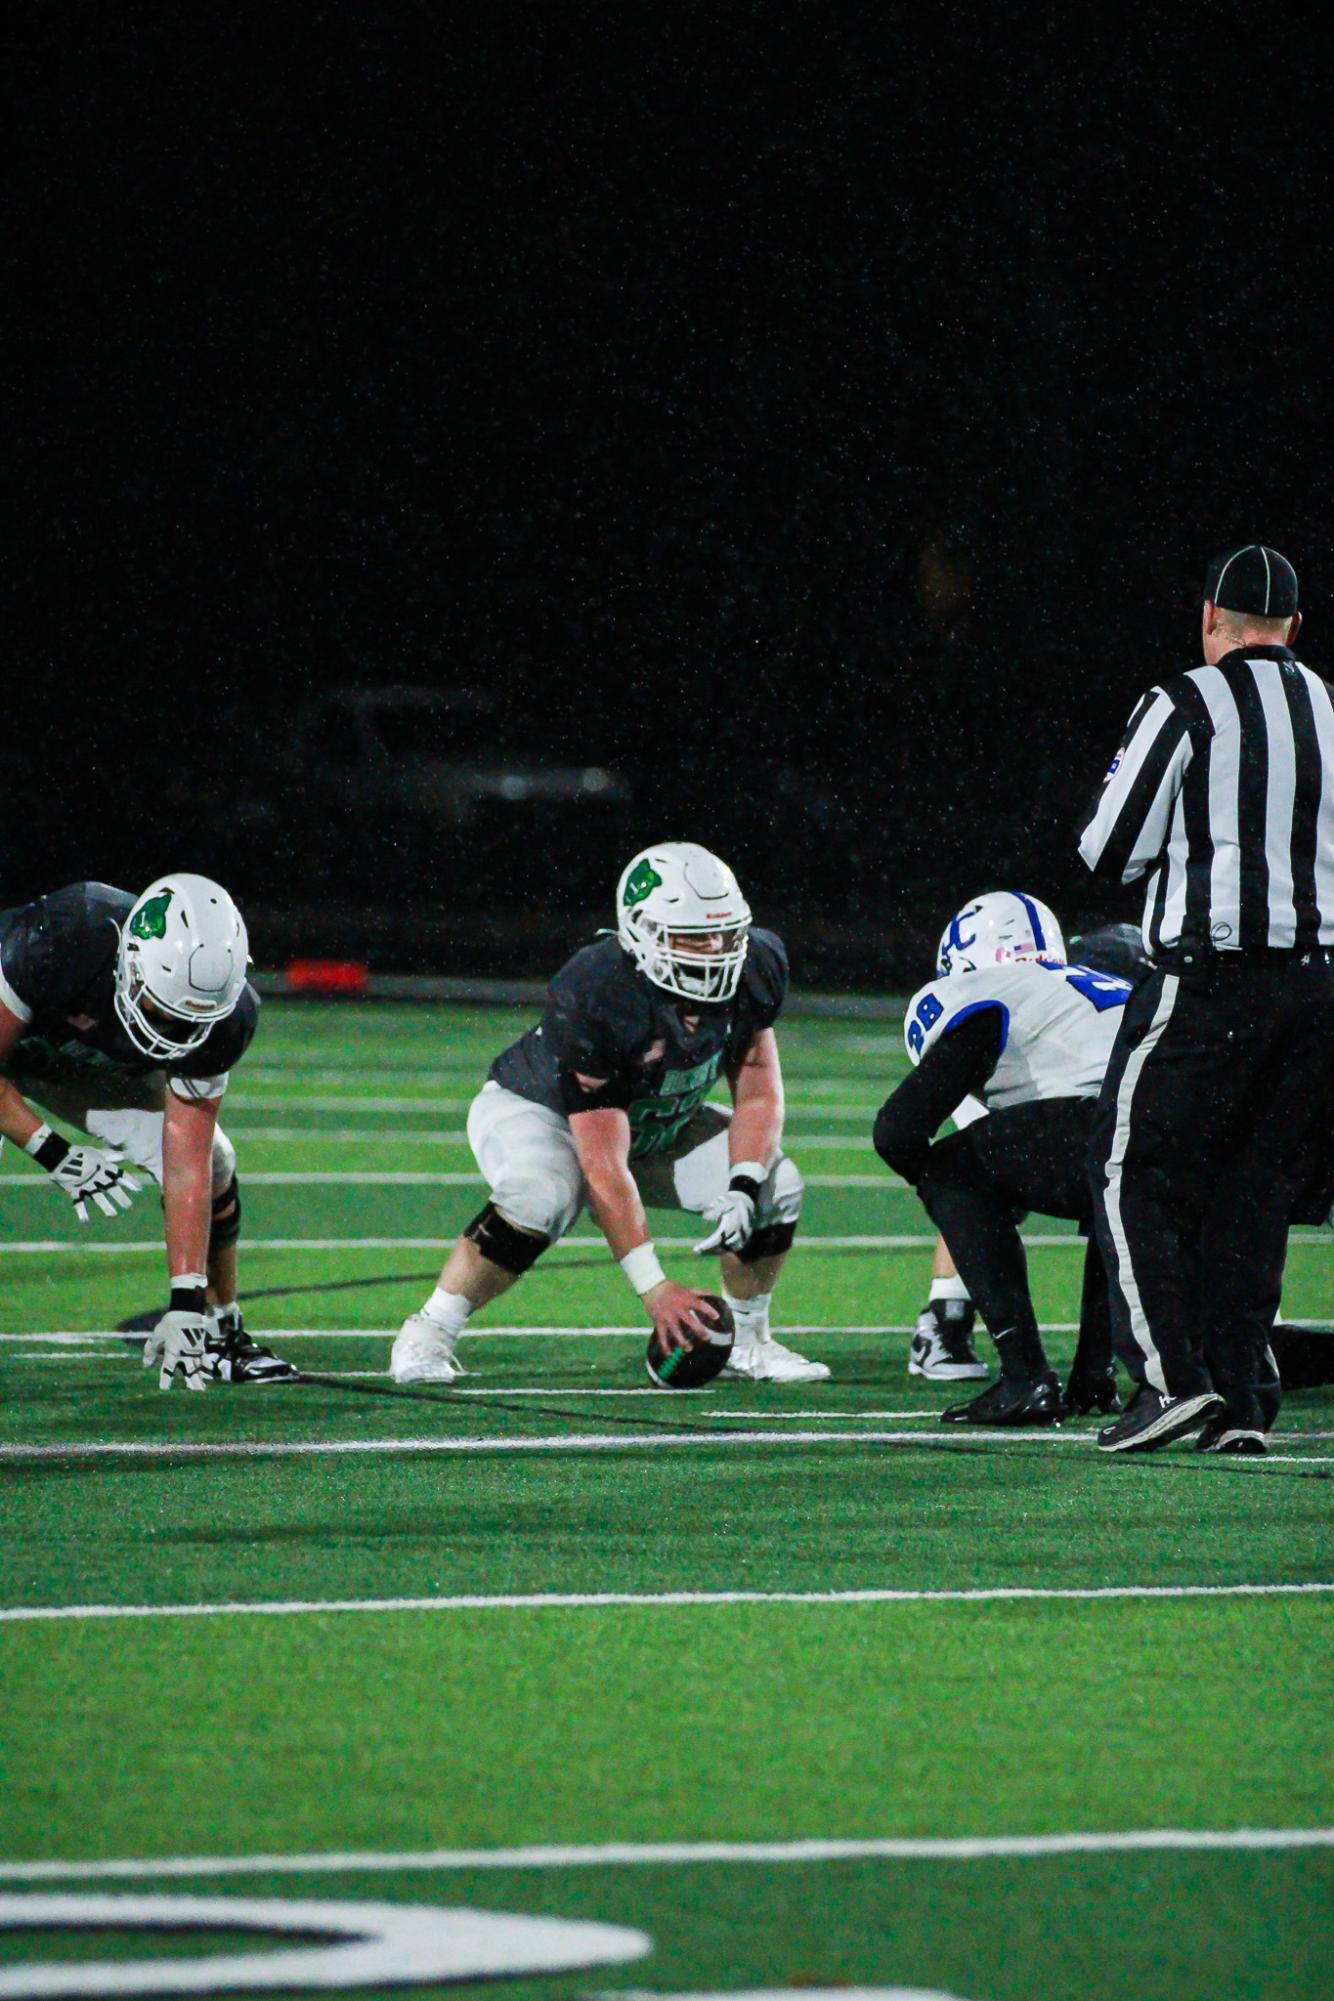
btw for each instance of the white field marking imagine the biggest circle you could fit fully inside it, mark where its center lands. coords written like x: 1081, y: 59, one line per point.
x: 279, y: 1101
x: 571, y: 1601
x: 403, y: 1136
x: 651, y: 1854
x: 294, y: 1448
x: 292, y: 1100
x: 309, y: 1178
x: 306, y: 1178
x: 47, y: 1245
x: 373, y: 1944
x: 507, y: 1331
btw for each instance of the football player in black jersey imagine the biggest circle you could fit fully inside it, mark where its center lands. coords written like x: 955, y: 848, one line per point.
x: 603, y: 1102
x: 123, y: 1016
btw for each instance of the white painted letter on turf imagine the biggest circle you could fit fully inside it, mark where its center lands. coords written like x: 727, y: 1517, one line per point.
x: 374, y: 1945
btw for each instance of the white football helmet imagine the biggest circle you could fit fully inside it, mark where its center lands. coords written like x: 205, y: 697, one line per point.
x: 1006, y: 924
x: 180, y: 966
x: 682, y: 918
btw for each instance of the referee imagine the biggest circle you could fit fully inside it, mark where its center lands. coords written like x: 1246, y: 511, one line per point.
x: 1220, y: 1092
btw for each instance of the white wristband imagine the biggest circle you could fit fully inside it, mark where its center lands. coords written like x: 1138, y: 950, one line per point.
x: 38, y: 1141
x: 754, y: 1170
x: 642, y: 1269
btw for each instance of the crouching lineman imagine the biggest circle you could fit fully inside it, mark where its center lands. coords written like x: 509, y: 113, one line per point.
x: 122, y: 1016
x: 942, y: 1349
x: 603, y: 1103
x: 1009, y: 1022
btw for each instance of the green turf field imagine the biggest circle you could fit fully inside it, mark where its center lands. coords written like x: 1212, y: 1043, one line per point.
x: 793, y: 1687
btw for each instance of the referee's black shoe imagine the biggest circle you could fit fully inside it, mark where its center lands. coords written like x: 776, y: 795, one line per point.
x: 1153, y: 1419
x: 1092, y: 1389
x: 1224, y: 1432
x: 1012, y: 1400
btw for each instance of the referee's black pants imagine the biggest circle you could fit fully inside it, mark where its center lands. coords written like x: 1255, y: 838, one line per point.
x: 1216, y: 1105
x: 977, y: 1183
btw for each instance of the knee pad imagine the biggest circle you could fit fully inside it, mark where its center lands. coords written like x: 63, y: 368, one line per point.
x: 769, y: 1241
x: 514, y: 1250
x: 225, y: 1226
x: 541, y: 1203
x: 224, y: 1160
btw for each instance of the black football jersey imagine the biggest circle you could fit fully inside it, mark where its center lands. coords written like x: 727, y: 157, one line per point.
x: 58, y: 973
x: 603, y: 1018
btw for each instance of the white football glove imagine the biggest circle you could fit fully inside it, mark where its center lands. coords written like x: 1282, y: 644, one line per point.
x: 733, y: 1214
x: 177, y: 1343
x: 92, y: 1174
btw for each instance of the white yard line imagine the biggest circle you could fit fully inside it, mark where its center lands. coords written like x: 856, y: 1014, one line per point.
x: 651, y: 1854
x: 510, y: 1331
x: 168, y: 1448
x: 664, y: 1440
x: 563, y: 1601
x: 658, y: 1440
x: 244, y: 1100
x: 442, y: 1178
x: 33, y: 1246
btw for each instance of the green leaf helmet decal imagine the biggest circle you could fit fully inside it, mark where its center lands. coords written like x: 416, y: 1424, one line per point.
x: 150, y: 919
x: 641, y: 882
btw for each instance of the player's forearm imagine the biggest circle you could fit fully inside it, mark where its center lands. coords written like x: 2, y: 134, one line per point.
x: 187, y: 1202
x: 756, y: 1130
x: 18, y: 1121
x: 616, y: 1208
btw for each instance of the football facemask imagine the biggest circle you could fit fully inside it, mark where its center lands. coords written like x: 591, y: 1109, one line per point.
x: 180, y: 965
x: 682, y: 918
x: 1003, y: 925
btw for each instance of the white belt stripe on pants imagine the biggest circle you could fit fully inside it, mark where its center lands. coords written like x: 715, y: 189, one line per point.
x: 1125, y: 1271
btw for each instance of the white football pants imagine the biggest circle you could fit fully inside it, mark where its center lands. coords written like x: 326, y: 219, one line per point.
x: 528, y: 1157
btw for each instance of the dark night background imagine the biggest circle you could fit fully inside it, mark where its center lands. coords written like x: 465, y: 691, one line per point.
x: 822, y: 423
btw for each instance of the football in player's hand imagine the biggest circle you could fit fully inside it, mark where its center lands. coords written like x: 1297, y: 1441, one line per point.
x: 691, y: 1368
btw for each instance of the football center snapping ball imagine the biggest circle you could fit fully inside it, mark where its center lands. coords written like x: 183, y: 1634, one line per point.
x: 691, y: 1368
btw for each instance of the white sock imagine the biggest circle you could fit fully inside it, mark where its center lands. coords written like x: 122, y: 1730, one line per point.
x: 223, y: 1307
x: 449, y: 1311
x: 751, y: 1317
x: 949, y: 1288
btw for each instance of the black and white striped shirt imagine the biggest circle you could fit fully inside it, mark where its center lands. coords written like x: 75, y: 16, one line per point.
x: 1223, y: 793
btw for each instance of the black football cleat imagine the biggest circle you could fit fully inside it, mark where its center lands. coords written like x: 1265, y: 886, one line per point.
x: 1092, y: 1389
x: 1013, y: 1400
x: 942, y: 1349
x: 232, y: 1357
x: 1153, y: 1419
x: 1222, y: 1432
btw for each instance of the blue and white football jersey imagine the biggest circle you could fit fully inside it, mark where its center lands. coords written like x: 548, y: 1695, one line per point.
x: 1058, y: 1024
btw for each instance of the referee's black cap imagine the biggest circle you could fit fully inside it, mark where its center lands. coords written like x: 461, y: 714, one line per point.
x: 1252, y: 579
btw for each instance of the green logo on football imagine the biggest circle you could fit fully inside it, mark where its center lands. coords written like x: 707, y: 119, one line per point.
x: 642, y: 881
x: 150, y: 919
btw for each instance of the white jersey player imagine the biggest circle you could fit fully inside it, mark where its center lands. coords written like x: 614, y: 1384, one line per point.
x: 1009, y: 1024
x: 1058, y: 1022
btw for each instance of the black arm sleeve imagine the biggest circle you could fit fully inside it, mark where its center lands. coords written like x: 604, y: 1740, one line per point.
x: 960, y: 1062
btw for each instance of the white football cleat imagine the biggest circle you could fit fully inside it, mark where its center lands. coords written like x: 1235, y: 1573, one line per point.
x: 771, y: 1362
x: 424, y: 1353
